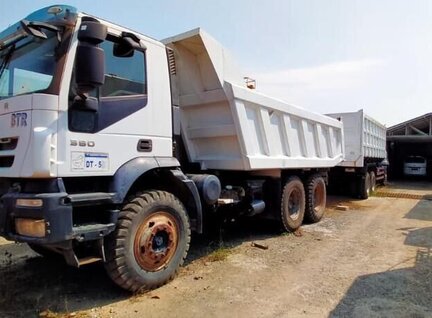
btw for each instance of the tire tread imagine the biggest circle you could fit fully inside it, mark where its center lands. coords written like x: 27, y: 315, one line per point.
x: 116, y: 264
x: 310, y: 214
x: 291, y: 227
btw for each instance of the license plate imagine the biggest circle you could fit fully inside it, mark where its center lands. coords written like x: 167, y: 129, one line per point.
x: 82, y: 161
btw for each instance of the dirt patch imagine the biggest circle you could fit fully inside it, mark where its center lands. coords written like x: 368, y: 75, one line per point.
x: 353, y: 204
x: 373, y: 260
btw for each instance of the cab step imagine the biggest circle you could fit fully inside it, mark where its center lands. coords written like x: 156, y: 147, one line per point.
x: 92, y: 231
x: 72, y: 259
x: 86, y: 199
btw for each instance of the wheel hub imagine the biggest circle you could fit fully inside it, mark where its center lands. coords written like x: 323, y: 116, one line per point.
x: 319, y: 198
x: 156, y: 241
x: 294, y: 204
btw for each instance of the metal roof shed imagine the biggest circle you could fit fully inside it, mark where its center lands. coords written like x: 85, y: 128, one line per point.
x: 409, y: 138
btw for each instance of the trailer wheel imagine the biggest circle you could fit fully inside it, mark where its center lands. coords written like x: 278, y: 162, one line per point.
x: 150, y: 242
x: 315, y: 198
x: 293, y: 204
x: 372, y: 182
x: 365, y: 187
x: 385, y: 180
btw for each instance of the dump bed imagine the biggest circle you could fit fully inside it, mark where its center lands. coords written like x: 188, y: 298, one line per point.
x: 227, y: 126
x: 365, y: 138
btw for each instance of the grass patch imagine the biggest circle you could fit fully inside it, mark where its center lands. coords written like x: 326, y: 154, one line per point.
x: 51, y: 314
x: 220, y: 254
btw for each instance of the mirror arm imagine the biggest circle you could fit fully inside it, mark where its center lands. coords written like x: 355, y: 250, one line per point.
x: 136, y: 41
x: 82, y: 95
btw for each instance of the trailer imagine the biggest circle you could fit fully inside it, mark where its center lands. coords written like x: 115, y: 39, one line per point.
x: 114, y: 147
x: 365, y: 162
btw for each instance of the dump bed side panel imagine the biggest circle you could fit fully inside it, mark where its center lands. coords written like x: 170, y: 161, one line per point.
x: 226, y: 126
x: 279, y: 135
x: 374, y: 138
x: 364, y: 138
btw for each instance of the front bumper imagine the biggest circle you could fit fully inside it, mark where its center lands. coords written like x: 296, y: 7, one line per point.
x: 55, y: 213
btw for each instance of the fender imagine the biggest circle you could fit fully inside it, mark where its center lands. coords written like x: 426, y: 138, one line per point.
x: 193, y: 201
x: 177, y: 183
x: 128, y: 173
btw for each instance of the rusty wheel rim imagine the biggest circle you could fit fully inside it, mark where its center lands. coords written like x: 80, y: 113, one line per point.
x: 367, y: 184
x: 156, y: 241
x: 372, y: 182
x: 319, y: 198
x: 294, y: 204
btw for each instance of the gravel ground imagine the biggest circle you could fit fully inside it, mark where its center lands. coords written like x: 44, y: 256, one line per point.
x: 373, y: 260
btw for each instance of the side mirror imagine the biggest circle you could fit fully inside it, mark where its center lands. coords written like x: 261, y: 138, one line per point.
x: 88, y: 104
x: 92, y: 31
x: 83, y: 115
x: 89, y: 67
x: 90, y: 58
x: 127, y: 44
x: 123, y: 48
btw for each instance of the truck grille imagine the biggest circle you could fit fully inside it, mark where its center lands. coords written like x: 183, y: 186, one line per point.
x: 6, y: 161
x: 8, y: 143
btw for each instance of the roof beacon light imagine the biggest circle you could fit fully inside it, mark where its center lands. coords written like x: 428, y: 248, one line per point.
x: 55, y: 10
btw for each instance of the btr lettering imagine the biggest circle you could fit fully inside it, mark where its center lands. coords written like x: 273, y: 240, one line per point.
x: 19, y: 120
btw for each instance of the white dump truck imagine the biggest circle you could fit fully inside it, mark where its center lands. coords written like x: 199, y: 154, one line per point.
x: 115, y: 146
x: 365, y: 161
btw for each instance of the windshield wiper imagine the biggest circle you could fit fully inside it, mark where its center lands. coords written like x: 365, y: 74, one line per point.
x: 6, y: 60
x: 32, y: 28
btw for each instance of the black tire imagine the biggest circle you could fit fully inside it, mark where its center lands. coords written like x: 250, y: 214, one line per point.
x: 43, y: 251
x: 292, y: 205
x: 150, y: 242
x: 385, y: 180
x: 364, y: 190
x: 316, y: 196
x: 372, y: 182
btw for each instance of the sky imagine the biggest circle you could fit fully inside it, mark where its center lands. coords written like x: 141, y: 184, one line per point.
x: 323, y: 55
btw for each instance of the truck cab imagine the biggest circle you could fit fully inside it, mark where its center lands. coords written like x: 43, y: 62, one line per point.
x: 52, y: 124
x: 70, y: 151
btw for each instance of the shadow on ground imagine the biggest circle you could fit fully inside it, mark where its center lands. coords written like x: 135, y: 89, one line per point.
x: 402, y: 292
x: 30, y: 284
x: 421, y: 211
x: 34, y: 284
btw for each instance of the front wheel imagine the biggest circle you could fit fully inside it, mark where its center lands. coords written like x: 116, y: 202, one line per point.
x: 293, y: 204
x: 150, y: 242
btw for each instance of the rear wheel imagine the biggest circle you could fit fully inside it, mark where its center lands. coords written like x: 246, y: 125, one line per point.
x: 150, y: 242
x: 365, y: 187
x: 372, y: 182
x: 293, y: 204
x: 315, y: 198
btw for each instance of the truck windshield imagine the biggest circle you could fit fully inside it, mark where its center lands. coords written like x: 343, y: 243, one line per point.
x: 28, y: 66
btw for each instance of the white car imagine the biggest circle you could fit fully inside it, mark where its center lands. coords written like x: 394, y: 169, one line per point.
x: 415, y: 166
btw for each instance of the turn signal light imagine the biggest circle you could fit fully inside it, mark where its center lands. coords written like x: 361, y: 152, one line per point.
x: 30, y: 227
